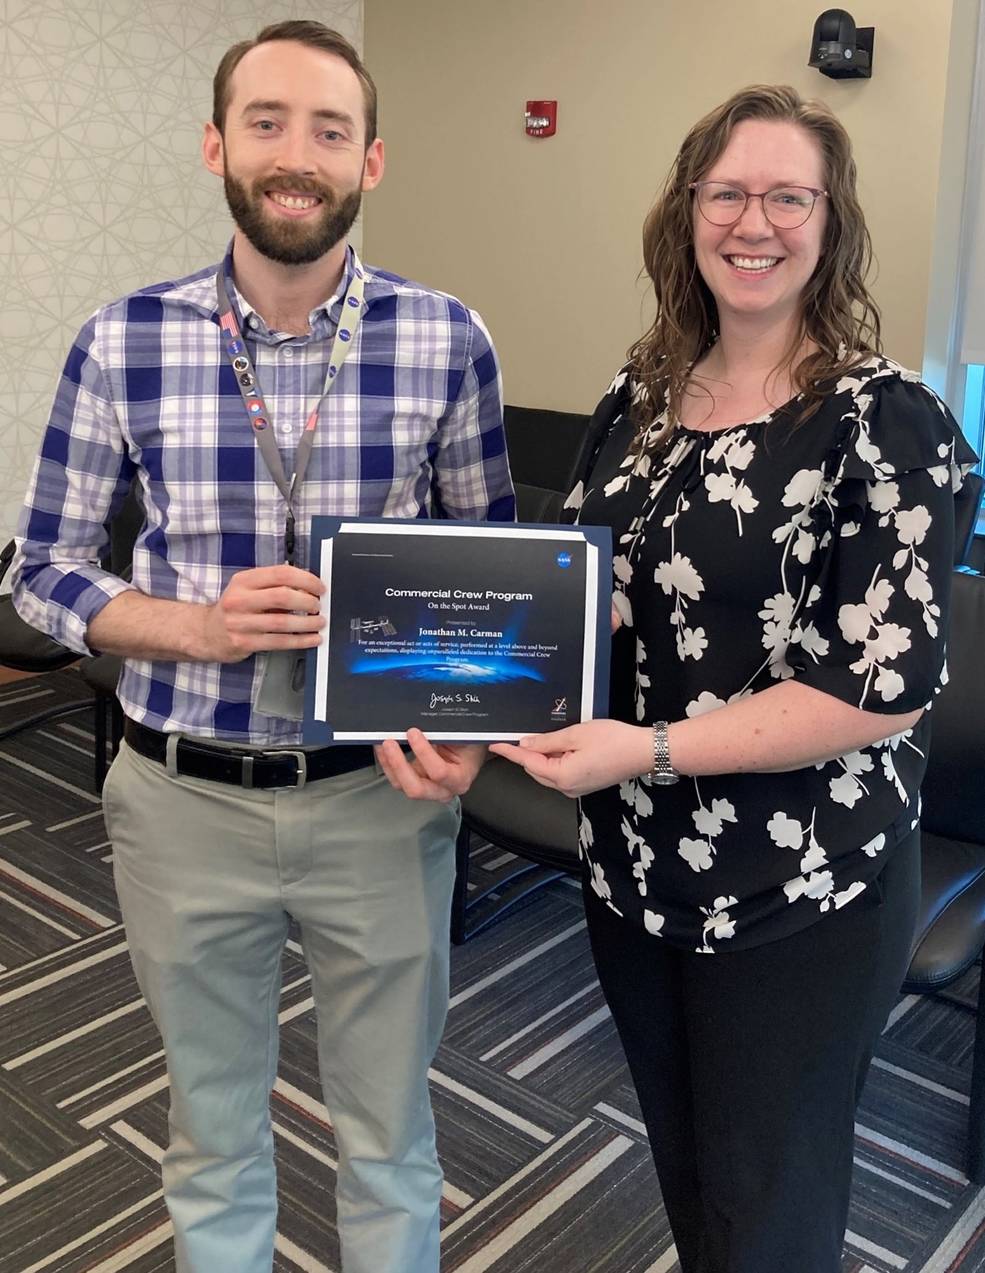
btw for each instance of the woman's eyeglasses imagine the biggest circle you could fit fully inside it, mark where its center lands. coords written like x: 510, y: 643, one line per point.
x: 786, y: 207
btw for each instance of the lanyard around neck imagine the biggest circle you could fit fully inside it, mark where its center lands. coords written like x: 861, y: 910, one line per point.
x: 256, y: 408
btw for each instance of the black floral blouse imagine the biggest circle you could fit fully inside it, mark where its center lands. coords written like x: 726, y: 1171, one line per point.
x: 821, y: 551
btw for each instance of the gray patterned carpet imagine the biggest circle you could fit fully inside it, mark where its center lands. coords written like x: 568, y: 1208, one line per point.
x: 545, y: 1157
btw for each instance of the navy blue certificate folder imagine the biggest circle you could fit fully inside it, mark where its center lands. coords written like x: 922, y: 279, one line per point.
x: 470, y: 631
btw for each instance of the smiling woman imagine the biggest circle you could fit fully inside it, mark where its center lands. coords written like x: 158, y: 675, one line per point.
x: 756, y: 252
x: 784, y: 516
x: 798, y: 278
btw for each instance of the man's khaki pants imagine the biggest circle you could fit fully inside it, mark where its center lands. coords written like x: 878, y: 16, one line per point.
x: 208, y: 876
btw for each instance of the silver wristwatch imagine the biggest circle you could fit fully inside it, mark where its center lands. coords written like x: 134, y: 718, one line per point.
x: 663, y: 772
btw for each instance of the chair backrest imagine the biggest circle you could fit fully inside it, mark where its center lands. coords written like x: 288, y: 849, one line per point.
x: 967, y: 505
x: 953, y: 790
x: 123, y: 531
x: 29, y: 650
x: 544, y: 449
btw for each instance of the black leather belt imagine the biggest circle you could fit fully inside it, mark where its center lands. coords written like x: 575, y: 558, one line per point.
x: 247, y: 766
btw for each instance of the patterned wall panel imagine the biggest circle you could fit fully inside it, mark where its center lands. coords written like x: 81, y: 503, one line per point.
x: 101, y: 110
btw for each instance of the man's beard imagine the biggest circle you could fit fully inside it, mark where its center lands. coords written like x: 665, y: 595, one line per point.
x: 285, y: 240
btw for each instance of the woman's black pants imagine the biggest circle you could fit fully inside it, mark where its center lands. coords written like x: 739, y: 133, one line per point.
x: 749, y: 1065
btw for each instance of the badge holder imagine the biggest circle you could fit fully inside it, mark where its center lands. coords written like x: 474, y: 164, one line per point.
x: 282, y: 684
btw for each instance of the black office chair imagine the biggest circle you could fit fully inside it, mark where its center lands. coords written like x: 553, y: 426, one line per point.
x: 951, y: 927
x: 545, y: 449
x: 967, y: 506
x: 25, y: 649
x: 504, y: 806
x: 549, y: 451
x: 101, y: 672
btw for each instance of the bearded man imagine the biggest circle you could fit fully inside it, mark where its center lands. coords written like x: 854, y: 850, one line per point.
x: 289, y: 380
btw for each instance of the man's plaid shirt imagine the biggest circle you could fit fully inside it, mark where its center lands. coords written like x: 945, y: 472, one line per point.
x: 412, y: 428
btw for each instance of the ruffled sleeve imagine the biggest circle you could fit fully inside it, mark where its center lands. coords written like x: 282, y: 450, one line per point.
x: 900, y: 425
x: 873, y: 631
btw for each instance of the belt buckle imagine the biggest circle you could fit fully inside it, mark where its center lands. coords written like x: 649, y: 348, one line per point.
x: 301, y: 776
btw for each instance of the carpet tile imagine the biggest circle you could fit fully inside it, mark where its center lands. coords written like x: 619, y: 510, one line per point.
x: 546, y: 1160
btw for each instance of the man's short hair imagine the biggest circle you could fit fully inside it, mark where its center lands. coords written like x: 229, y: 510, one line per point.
x: 315, y: 36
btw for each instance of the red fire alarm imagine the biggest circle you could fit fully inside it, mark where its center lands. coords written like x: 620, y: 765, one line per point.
x: 541, y: 119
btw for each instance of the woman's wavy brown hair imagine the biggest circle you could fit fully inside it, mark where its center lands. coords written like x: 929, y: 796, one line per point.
x: 838, y: 314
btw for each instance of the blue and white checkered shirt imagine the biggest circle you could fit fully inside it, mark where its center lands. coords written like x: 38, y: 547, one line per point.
x: 412, y: 428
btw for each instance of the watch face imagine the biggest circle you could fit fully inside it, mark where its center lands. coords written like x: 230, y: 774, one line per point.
x: 665, y: 780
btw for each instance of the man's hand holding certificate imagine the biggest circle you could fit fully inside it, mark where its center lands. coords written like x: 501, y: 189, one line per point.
x: 466, y: 632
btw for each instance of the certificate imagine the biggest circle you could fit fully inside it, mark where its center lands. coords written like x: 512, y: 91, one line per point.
x: 472, y: 632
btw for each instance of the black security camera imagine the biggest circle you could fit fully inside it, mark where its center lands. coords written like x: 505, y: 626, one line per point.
x: 839, y: 49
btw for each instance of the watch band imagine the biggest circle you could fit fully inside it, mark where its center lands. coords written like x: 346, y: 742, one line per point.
x: 663, y: 772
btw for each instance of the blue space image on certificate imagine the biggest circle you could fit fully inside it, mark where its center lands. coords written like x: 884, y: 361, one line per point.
x: 465, y: 632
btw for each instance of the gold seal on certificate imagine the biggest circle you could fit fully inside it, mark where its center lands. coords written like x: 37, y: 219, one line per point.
x: 472, y: 632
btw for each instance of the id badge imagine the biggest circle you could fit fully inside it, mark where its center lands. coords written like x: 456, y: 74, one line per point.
x: 282, y: 684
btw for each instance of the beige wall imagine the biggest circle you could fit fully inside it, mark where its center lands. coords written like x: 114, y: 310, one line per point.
x: 543, y: 236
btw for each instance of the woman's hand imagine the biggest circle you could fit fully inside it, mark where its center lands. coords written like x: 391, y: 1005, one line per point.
x: 622, y: 611
x: 439, y: 772
x: 585, y: 757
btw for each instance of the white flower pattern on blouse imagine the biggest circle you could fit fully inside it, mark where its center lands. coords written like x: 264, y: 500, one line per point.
x: 742, y: 558
x: 709, y: 822
x: 717, y: 925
